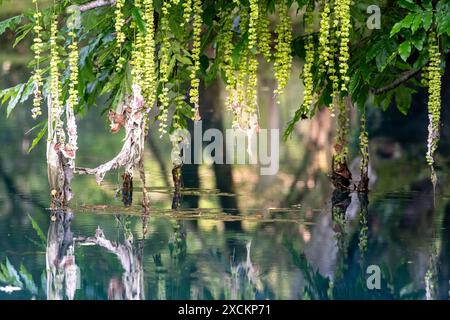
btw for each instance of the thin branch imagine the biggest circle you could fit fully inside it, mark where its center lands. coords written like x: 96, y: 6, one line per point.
x: 394, y: 84
x: 96, y: 4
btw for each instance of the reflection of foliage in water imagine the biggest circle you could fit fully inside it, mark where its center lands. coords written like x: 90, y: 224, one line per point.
x: 349, y: 279
x: 16, y: 280
x: 363, y: 212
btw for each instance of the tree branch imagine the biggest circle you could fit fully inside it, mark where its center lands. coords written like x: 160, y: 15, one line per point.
x: 96, y: 4
x: 394, y: 84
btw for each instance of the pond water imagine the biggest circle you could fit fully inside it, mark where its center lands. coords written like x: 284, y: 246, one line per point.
x: 283, y: 237
x: 318, y: 246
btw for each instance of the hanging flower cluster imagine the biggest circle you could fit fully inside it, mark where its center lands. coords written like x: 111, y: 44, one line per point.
x: 324, y: 38
x: 148, y: 62
x: 309, y: 63
x: 55, y: 86
x: 137, y: 54
x: 264, y: 37
x: 73, y: 68
x: 241, y: 84
x: 196, y: 33
x: 434, y: 100
x: 241, y: 78
x: 343, y: 11
x: 120, y: 35
x: 164, y: 59
x: 283, y: 57
x: 187, y: 11
x: 37, y: 75
x: 332, y: 68
x: 252, y: 68
x: 334, y: 38
x: 137, y: 58
x: 226, y: 46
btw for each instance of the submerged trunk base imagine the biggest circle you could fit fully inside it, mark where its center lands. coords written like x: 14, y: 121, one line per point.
x: 127, y: 189
x: 176, y: 176
x: 341, y: 176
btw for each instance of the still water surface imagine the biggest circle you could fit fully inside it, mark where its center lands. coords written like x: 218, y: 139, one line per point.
x: 290, y: 237
x: 106, y: 251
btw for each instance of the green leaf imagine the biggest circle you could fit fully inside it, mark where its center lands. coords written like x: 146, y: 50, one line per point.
x: 421, y: 60
x: 38, y: 230
x: 383, y: 60
x: 427, y: 18
x: 385, y: 103
x: 443, y: 19
x: 38, y: 137
x: 410, y: 5
x: 183, y: 59
x: 418, y: 40
x: 405, y: 23
x: 405, y: 50
x: 28, y: 90
x: 416, y: 23
x: 22, y: 33
x: 10, y: 23
x: 427, y: 4
x: 403, y: 98
x: 12, y: 94
x: 354, y: 82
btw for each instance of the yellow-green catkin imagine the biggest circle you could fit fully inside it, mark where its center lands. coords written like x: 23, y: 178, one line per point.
x: 282, y: 57
x: 137, y: 54
x: 149, y: 66
x: 73, y: 67
x: 309, y: 62
x: 343, y: 11
x: 332, y: 67
x: 196, y: 44
x: 252, y: 69
x: 226, y: 48
x: 324, y: 38
x: 434, y: 100
x: 187, y: 12
x: 137, y: 57
x: 37, y: 74
x: 242, y: 79
x: 55, y: 87
x: 164, y: 70
x: 264, y: 37
x: 242, y: 74
x: 120, y: 34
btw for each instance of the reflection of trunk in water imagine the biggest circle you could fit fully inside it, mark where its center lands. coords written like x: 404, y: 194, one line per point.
x: 131, y: 259
x: 339, y: 203
x: 172, y: 276
x: 244, y: 281
x: 62, y: 271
